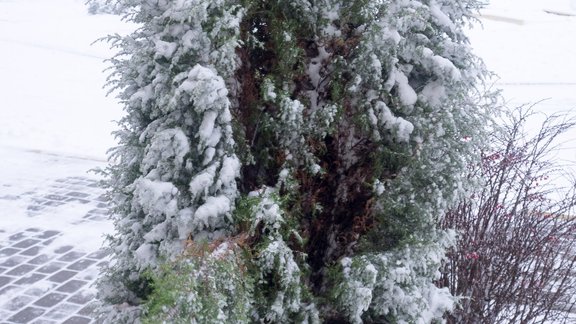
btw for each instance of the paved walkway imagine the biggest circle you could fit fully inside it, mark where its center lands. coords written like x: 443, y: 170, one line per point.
x: 42, y: 280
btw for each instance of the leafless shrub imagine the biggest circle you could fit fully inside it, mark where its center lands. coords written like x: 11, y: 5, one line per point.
x: 515, y: 258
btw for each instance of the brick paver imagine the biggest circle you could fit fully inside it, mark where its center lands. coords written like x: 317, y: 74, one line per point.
x: 38, y: 287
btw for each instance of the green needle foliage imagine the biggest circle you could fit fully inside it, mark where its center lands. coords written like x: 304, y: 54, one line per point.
x: 311, y: 146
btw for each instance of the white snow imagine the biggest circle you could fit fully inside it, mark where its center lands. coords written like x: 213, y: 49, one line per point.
x: 202, y: 181
x: 433, y: 93
x: 378, y: 187
x: 534, y: 58
x: 156, y: 197
x: 207, y: 215
x: 267, y: 211
x: 52, y: 100
x: 27, y: 171
x: 207, y: 129
x: 83, y: 236
x: 144, y: 94
x: 332, y: 13
x: 9, y: 296
x: 407, y: 95
x: 165, y: 49
x: 441, y: 17
x: 206, y: 87
x: 539, y: 53
x: 269, y: 93
x: 360, y: 282
x: 441, y: 65
x: 51, y: 77
x: 400, y: 126
x: 209, y: 94
x: 230, y: 170
x: 165, y: 154
x: 146, y: 254
x: 55, y: 118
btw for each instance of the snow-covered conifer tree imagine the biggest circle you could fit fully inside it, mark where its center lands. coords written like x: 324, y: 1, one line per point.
x: 288, y: 161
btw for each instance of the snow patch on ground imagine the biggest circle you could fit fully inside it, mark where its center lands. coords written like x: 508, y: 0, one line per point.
x: 23, y: 172
x: 534, y: 60
x: 51, y: 76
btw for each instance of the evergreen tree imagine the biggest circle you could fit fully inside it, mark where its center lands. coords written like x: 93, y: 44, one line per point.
x: 288, y: 161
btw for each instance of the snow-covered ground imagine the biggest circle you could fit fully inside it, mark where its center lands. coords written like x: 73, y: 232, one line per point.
x: 55, y: 124
x: 531, y: 46
x: 532, y: 52
x: 51, y: 77
x: 52, y: 108
x: 55, y: 120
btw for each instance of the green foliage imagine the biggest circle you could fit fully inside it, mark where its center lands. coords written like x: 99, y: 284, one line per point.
x: 280, y: 294
x: 210, y: 285
x: 244, y: 212
x: 348, y: 119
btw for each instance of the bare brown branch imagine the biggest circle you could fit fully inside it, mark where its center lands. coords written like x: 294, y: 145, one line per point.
x: 515, y: 257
